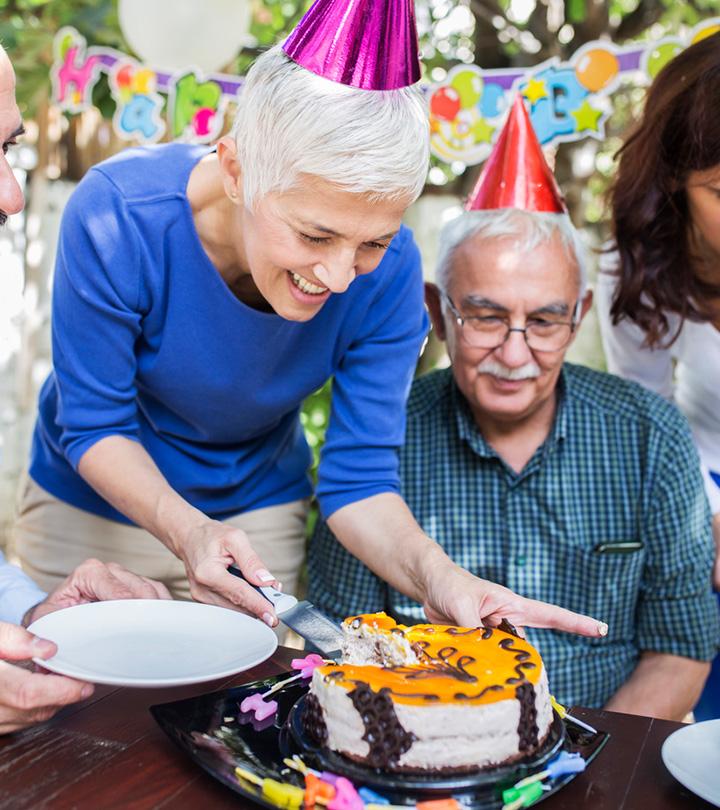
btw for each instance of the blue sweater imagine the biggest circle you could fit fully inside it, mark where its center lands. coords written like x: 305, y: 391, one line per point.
x: 150, y: 344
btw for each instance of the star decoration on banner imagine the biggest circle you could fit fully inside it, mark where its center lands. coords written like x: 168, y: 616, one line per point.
x: 586, y: 117
x: 482, y: 131
x: 534, y: 90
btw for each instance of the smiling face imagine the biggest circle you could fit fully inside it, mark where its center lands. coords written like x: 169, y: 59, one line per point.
x: 703, y: 195
x: 11, y: 198
x: 314, y: 240
x: 295, y: 248
x: 491, y: 279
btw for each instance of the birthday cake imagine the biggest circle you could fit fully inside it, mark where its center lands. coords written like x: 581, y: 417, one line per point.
x: 429, y: 697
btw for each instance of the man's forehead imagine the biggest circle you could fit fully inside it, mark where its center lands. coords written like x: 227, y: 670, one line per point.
x: 503, y: 262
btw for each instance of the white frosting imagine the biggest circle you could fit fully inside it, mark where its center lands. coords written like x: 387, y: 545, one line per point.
x: 366, y: 645
x: 449, y: 735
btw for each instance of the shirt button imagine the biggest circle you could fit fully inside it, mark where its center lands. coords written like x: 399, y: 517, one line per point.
x: 520, y: 560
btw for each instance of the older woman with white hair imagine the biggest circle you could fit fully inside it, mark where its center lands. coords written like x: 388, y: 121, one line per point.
x: 201, y: 295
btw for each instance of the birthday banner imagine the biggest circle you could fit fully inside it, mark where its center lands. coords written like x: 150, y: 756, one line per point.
x: 567, y: 101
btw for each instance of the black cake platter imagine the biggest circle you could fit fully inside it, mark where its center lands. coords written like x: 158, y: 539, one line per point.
x: 218, y: 737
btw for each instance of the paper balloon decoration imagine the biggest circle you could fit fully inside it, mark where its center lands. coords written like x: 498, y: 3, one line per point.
x: 469, y: 87
x: 445, y: 103
x: 658, y: 57
x: 596, y: 68
x: 708, y: 31
x: 205, y: 34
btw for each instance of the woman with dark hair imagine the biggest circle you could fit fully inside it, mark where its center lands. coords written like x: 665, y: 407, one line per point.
x: 658, y: 291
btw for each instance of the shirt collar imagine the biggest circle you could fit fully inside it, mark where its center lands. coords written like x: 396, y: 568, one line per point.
x: 468, y: 431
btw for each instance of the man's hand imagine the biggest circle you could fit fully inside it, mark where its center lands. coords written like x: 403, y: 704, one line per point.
x: 94, y: 581
x: 457, y: 597
x: 208, y: 550
x: 26, y: 697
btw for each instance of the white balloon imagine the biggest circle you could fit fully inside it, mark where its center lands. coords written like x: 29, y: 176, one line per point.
x: 185, y: 33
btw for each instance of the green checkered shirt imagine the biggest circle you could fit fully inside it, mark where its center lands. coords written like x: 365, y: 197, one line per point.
x: 608, y: 518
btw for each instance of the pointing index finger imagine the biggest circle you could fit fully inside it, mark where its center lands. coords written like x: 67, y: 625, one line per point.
x: 540, y: 614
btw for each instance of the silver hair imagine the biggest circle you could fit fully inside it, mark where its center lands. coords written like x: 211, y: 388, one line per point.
x: 529, y: 228
x: 291, y: 122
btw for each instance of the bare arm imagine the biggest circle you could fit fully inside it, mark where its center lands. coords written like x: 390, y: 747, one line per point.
x: 382, y: 532
x: 662, y: 685
x: 123, y: 472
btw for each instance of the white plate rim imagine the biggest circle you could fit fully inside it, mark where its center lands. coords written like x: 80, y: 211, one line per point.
x: 686, y: 778
x: 40, y: 626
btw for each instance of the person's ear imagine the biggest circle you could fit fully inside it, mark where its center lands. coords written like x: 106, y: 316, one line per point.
x: 230, y: 167
x: 585, y: 306
x: 434, y: 305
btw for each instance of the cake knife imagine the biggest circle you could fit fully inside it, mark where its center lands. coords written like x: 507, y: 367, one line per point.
x: 302, y: 617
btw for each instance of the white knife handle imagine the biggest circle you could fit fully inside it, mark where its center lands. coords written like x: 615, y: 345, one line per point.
x: 279, y: 600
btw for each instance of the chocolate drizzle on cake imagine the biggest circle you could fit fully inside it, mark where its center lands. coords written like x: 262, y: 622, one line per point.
x: 458, y: 631
x: 521, y: 656
x: 440, y: 666
x: 527, y: 727
x: 313, y: 721
x: 506, y: 627
x: 386, y: 738
x: 508, y: 644
x: 495, y: 687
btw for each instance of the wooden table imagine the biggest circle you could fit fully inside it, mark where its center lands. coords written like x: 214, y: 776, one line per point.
x: 108, y: 753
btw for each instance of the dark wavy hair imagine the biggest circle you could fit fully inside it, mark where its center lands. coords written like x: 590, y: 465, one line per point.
x: 679, y: 133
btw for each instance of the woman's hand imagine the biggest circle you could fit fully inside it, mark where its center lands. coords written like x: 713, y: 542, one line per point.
x: 29, y: 697
x: 455, y: 596
x: 381, y: 531
x: 124, y: 474
x: 208, y: 550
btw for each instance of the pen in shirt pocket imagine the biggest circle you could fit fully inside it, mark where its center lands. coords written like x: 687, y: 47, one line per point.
x: 626, y: 547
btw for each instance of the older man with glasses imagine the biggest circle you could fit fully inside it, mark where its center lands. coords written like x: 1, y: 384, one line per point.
x: 562, y: 483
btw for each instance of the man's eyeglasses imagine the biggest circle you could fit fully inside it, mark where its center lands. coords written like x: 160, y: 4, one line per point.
x: 491, y: 331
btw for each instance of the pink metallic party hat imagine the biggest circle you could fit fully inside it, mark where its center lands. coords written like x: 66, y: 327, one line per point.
x: 370, y: 44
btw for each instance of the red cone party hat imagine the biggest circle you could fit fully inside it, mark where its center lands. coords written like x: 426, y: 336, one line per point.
x: 516, y: 174
x: 370, y: 44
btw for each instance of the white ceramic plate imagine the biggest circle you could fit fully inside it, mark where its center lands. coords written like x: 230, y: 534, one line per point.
x: 692, y: 755
x: 153, y: 642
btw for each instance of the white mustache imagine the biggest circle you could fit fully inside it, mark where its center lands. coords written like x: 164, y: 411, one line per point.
x: 491, y: 366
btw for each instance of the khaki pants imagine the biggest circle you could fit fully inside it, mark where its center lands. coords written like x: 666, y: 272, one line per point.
x: 51, y: 538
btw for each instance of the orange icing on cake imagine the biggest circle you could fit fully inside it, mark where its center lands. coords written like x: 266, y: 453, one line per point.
x: 456, y: 664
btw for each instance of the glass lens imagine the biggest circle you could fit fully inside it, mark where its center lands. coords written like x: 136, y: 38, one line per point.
x: 548, y: 337
x: 485, y: 333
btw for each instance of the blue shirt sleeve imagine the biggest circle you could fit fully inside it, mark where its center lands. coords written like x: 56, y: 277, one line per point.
x: 371, y: 386
x: 18, y: 593
x: 96, y: 317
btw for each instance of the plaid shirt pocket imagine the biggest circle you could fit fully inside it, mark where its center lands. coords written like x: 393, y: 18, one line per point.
x: 602, y: 582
